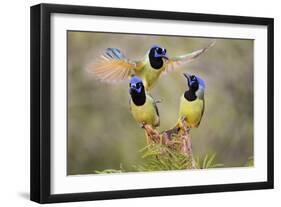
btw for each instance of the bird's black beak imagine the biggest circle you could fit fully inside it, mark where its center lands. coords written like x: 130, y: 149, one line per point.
x: 165, y: 57
x: 187, y: 76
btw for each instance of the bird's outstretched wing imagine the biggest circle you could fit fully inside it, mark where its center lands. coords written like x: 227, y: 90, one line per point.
x: 176, y: 62
x: 112, y: 66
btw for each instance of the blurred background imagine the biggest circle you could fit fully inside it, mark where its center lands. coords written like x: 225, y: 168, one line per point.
x: 102, y: 133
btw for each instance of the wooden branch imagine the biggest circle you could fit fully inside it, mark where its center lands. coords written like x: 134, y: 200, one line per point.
x: 173, y: 138
x: 186, y: 143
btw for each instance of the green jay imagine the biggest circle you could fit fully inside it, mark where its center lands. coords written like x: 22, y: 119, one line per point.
x: 142, y: 105
x: 114, y: 67
x: 192, y: 102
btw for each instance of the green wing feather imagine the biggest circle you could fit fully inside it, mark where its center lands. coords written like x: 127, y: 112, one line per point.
x: 156, y: 109
x: 202, y: 112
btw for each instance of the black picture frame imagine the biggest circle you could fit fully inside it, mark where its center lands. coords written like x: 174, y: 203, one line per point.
x: 41, y: 102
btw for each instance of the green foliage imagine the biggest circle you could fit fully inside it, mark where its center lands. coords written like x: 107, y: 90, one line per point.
x: 209, y: 161
x: 158, y: 157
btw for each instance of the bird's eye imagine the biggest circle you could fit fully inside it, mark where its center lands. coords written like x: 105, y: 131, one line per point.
x: 159, y: 50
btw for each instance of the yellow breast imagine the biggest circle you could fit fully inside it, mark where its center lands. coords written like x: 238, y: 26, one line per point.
x: 145, y: 114
x: 192, y: 111
x: 149, y: 75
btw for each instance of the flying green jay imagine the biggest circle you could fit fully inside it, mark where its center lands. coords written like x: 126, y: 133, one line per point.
x: 192, y: 102
x: 114, y: 67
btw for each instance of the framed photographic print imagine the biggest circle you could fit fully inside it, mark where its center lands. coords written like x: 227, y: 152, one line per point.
x: 133, y: 103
